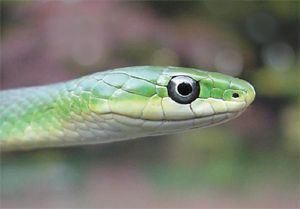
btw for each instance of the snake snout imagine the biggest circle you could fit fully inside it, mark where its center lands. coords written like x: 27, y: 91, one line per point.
x: 250, y: 94
x: 241, y: 92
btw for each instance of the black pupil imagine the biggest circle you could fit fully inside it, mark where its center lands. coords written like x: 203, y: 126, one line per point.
x: 235, y: 95
x: 184, y: 89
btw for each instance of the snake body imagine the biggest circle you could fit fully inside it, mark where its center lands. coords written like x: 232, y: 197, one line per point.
x: 119, y: 104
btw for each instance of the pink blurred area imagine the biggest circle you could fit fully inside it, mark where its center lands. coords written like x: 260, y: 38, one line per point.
x: 59, y: 40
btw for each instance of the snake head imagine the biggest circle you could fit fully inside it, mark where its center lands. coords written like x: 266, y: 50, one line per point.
x: 158, y: 100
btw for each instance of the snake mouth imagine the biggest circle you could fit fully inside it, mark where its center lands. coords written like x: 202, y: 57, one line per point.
x: 113, y: 115
x: 120, y: 122
x: 138, y: 127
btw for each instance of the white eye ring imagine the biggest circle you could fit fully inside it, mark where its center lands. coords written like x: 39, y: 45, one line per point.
x: 183, y: 89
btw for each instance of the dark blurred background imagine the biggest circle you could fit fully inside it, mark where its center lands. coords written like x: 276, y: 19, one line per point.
x: 251, y: 162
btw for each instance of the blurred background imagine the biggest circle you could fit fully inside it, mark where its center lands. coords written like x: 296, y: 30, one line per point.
x: 252, y: 161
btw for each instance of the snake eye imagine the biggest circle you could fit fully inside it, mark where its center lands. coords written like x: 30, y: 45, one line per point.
x: 183, y: 89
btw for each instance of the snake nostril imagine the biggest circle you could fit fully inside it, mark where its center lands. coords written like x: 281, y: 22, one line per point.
x: 235, y: 95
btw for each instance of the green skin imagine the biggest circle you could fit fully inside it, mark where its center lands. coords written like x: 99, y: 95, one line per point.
x: 116, y: 105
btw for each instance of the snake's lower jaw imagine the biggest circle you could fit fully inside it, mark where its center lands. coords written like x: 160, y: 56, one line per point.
x: 169, y: 127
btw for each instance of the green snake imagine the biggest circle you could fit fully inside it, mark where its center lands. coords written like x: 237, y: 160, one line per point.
x: 119, y: 104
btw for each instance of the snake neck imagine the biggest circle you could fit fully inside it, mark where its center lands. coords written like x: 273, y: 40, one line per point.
x: 30, y: 113
x: 53, y: 115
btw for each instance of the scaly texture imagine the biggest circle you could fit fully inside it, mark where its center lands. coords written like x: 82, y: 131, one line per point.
x: 116, y: 105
